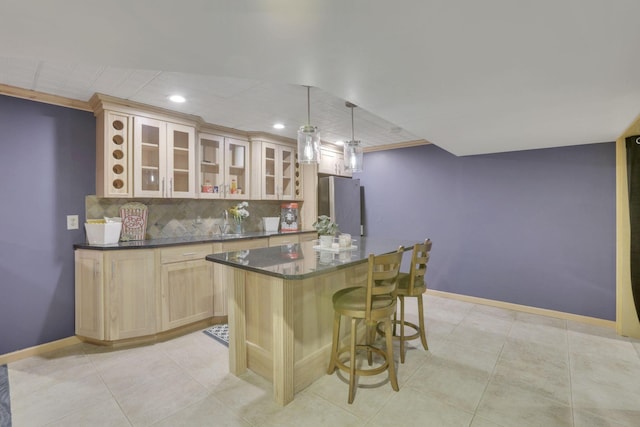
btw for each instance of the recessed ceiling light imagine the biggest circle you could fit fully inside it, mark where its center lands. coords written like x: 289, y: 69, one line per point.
x: 339, y: 142
x: 278, y: 126
x: 177, y: 98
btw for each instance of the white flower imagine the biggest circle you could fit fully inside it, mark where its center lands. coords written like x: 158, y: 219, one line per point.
x: 239, y: 212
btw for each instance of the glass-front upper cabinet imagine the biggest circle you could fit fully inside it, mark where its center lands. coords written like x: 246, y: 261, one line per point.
x: 164, y: 159
x: 223, y: 167
x: 277, y: 173
x: 288, y: 186
x: 236, y: 168
x: 211, y: 164
x: 181, y: 161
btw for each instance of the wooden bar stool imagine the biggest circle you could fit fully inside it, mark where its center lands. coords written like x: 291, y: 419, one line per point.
x: 373, y: 304
x: 412, y: 284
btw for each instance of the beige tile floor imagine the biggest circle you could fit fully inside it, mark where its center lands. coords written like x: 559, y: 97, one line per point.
x: 486, y: 367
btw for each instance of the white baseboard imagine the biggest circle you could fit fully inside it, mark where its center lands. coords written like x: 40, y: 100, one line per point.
x: 526, y: 309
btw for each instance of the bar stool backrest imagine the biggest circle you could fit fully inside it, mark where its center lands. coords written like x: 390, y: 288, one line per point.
x: 419, y: 260
x: 382, y: 277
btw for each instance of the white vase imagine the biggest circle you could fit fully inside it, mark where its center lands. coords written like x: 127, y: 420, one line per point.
x: 326, y: 241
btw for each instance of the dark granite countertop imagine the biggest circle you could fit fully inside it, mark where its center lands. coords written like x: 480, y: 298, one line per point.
x: 301, y: 261
x: 186, y: 240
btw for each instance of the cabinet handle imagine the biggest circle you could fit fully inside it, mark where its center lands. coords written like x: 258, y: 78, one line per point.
x: 163, y: 193
x: 188, y: 253
x: 171, y: 187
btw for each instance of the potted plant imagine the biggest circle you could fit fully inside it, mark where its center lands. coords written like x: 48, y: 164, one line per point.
x: 326, y: 229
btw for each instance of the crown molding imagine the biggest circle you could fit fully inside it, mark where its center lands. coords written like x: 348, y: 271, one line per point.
x: 398, y: 145
x: 46, y: 98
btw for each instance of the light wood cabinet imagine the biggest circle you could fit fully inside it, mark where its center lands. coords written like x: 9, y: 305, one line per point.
x: 164, y: 159
x: 277, y: 172
x: 114, y: 154
x: 223, y: 167
x: 143, y: 151
x: 186, y: 283
x: 332, y: 163
x: 89, y: 294
x: 115, y: 294
x: 130, y: 294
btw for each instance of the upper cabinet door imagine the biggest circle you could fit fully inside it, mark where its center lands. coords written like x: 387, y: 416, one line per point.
x: 270, y: 171
x: 181, y: 161
x: 149, y: 159
x: 277, y: 173
x: 287, y: 169
x: 236, y: 168
x: 210, y: 166
x: 164, y: 159
x: 332, y: 163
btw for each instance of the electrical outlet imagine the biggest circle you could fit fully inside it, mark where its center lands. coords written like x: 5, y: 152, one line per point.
x: 72, y: 222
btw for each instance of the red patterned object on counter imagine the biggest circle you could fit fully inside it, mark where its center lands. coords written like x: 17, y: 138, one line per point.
x: 134, y: 221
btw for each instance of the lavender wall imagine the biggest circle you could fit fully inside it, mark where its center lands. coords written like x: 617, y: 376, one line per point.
x: 47, y: 166
x: 532, y: 227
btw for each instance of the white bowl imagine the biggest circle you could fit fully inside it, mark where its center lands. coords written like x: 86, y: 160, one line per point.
x: 103, y: 234
x: 271, y: 223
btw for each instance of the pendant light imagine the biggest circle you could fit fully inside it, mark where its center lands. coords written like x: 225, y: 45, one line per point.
x: 352, y: 149
x: 308, y: 139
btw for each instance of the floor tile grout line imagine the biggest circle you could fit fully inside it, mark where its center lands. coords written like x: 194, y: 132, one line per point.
x: 491, y: 375
x: 570, y: 373
x: 116, y: 401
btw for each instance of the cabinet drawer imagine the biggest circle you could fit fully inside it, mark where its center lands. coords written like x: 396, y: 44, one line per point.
x: 306, y: 237
x: 245, y: 244
x: 185, y: 253
x: 283, y: 240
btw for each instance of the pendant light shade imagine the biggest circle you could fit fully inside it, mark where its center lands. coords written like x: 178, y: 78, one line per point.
x: 308, y: 139
x: 353, y: 158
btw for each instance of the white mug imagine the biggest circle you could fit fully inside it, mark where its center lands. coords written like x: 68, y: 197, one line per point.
x: 345, y: 240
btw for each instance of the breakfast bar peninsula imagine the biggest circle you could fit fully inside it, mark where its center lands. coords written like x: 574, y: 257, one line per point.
x: 280, y: 309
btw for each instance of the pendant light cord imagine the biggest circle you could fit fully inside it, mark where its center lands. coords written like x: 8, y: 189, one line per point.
x: 352, y: 131
x: 308, y: 106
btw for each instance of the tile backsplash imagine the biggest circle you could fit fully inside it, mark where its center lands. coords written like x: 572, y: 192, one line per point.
x: 183, y: 217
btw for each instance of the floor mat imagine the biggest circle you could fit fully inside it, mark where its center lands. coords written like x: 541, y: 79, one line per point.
x: 219, y: 333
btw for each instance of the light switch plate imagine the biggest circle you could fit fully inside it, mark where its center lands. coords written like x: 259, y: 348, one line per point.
x: 72, y: 222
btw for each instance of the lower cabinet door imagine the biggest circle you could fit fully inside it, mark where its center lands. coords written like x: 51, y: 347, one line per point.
x: 89, y: 291
x: 187, y: 292
x: 130, y: 293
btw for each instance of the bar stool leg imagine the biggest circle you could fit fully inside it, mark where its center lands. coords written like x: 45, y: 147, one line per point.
x: 334, y: 344
x: 401, y: 298
x: 423, y: 335
x: 371, y: 338
x: 352, y: 362
x: 390, y: 361
x: 395, y: 318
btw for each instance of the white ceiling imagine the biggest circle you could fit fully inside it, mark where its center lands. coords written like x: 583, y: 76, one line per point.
x: 469, y: 76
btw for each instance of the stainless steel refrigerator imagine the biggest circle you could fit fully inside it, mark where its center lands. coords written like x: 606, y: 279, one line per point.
x: 341, y: 199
